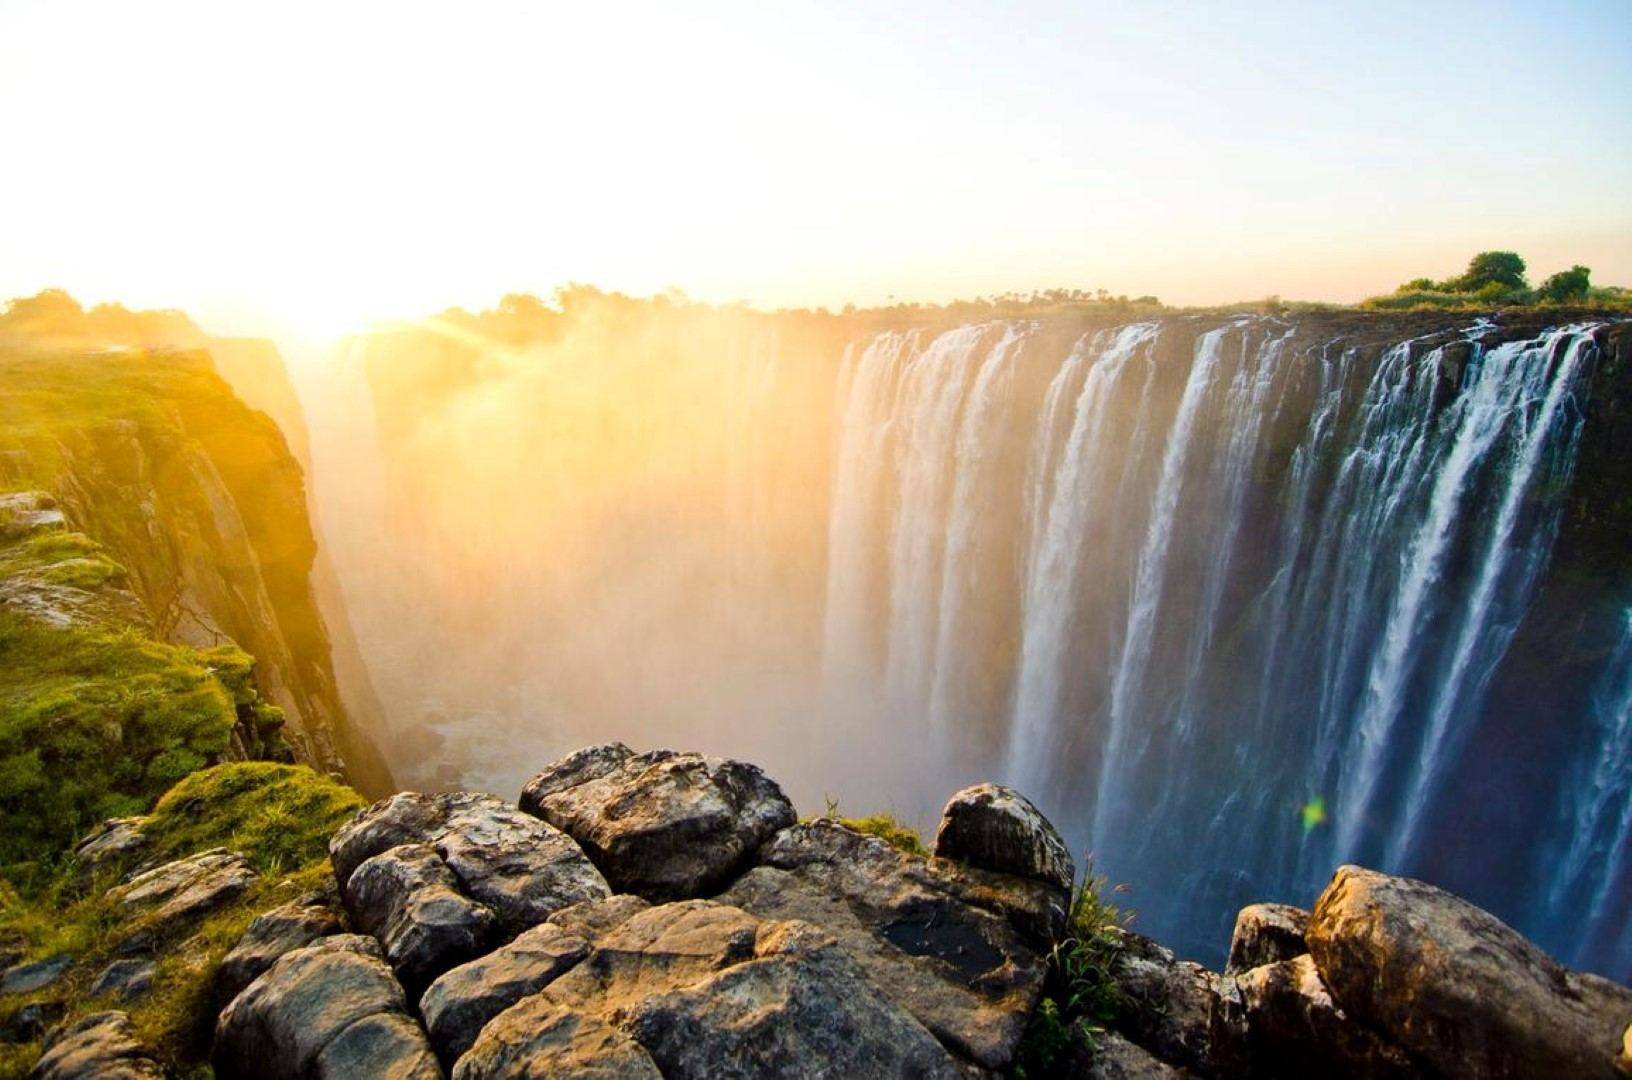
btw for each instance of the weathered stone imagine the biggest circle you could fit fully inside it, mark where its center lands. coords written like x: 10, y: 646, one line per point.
x: 101, y: 1046
x: 408, y: 899
x: 1457, y: 987
x: 125, y: 979
x: 963, y: 973
x: 664, y: 825
x: 459, y: 1004
x: 1295, y: 1029
x: 1115, y: 1058
x: 27, y: 978
x: 114, y: 839
x: 864, y: 864
x: 274, y: 933
x: 997, y: 828
x: 289, y: 1017
x: 187, y: 888
x: 384, y: 1046
x: 540, y: 1040
x: 592, y: 918
x: 1184, y: 1014
x: 707, y: 989
x: 1266, y: 934
x: 800, y: 1002
x: 32, y: 1021
x: 519, y: 867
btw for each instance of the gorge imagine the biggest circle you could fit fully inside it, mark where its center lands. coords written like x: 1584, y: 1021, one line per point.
x: 1235, y: 598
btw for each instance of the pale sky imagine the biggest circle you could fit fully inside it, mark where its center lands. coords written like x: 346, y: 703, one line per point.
x: 313, y: 165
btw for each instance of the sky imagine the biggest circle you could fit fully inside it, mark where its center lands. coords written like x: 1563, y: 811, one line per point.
x: 316, y: 166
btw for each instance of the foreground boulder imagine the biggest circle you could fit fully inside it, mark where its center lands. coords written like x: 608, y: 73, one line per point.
x: 664, y: 825
x: 409, y: 899
x: 518, y: 867
x: 1297, y: 1030
x: 460, y: 1003
x: 327, y: 1010
x: 939, y: 940
x: 1457, y: 987
x: 1184, y: 1014
x: 282, y: 930
x: 997, y: 828
x: 700, y: 989
x: 101, y: 1046
x: 1266, y: 934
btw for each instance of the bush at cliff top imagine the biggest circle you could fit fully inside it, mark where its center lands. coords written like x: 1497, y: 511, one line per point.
x: 279, y: 817
x: 95, y: 724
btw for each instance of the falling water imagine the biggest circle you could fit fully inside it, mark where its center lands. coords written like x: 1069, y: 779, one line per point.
x: 1246, y: 574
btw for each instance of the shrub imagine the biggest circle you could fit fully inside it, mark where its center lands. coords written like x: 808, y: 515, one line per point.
x: 884, y: 826
x: 1567, y: 286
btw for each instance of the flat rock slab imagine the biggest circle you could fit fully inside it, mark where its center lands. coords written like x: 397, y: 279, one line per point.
x: 183, y: 890
x: 997, y: 828
x: 1457, y: 987
x: 27, y: 978
x: 520, y: 868
x: 663, y: 825
x: 329, y: 1009
x: 112, y: 840
x: 704, y: 989
x: 125, y: 979
x: 282, y: 930
x: 101, y: 1046
x: 1115, y: 1058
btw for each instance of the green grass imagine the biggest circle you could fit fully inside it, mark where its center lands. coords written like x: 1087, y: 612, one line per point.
x: 94, y: 724
x: 1082, y: 994
x: 278, y: 816
x: 885, y: 826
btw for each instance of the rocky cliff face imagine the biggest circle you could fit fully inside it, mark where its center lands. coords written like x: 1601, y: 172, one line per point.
x: 198, y: 498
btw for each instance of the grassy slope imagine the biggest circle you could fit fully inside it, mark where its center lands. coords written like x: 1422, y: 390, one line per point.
x: 278, y: 816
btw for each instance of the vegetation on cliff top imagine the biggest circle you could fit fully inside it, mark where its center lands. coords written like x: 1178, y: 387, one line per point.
x: 1497, y: 279
x: 278, y: 816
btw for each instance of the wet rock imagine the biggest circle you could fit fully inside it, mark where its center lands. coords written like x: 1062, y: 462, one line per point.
x: 1181, y: 1012
x: 1266, y: 934
x: 183, y: 890
x: 113, y: 840
x: 997, y: 828
x: 539, y: 1039
x: 32, y: 1021
x: 283, y: 929
x: 664, y: 825
x: 296, y: 1019
x: 1457, y: 987
x: 409, y: 899
x: 459, y: 1004
x: 800, y: 1002
x: 125, y: 979
x: 1115, y: 1058
x: 1295, y: 1029
x: 519, y: 867
x: 27, y: 978
x: 101, y: 1046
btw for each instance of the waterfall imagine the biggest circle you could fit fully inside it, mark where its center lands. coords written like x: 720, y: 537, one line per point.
x: 1230, y: 599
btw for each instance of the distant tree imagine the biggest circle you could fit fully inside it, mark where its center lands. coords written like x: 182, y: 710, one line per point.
x: 1503, y: 268
x: 1567, y: 285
